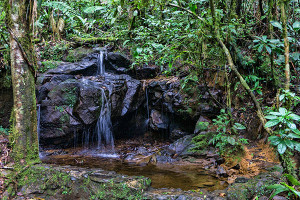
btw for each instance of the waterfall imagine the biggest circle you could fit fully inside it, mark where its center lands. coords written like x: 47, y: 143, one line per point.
x: 147, y: 102
x: 105, y: 140
x: 100, y: 63
x: 38, y: 106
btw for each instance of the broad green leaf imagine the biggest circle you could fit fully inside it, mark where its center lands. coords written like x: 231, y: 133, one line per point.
x: 260, y: 48
x: 292, y: 179
x: 239, y: 126
x: 294, y: 117
x: 275, y: 140
x: 297, y: 146
x: 289, y: 144
x: 275, y: 113
x: 291, y: 125
x: 231, y: 140
x: 271, y: 117
x: 282, y: 111
x: 139, y: 50
x: 291, y: 189
x: 296, y: 25
x: 281, y: 97
x: 296, y: 131
x: 92, y: 9
x: 268, y: 49
x: 293, y: 135
x: 278, y: 189
x: 281, y: 147
x: 271, y: 123
x: 276, y: 24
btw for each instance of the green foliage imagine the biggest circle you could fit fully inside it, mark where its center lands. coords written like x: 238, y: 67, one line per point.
x: 54, y: 52
x: 224, y: 140
x: 286, y: 131
x: 4, y: 131
x: 48, y: 64
x: 202, y: 126
x: 201, y: 142
x: 112, y: 190
x: 284, y: 187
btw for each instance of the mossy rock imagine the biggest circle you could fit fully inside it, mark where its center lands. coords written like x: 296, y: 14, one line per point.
x: 55, y: 182
x: 256, y: 186
x: 77, y: 54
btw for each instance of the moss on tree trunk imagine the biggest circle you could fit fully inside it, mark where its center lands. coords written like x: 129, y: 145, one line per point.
x: 24, y: 137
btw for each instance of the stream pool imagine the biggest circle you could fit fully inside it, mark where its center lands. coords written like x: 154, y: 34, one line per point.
x: 183, y: 176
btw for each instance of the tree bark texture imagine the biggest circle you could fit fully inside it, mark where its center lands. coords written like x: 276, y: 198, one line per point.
x: 24, y: 136
x: 286, y: 46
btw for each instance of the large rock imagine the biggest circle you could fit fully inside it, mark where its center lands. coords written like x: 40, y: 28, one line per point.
x: 118, y: 60
x: 181, y: 146
x: 159, y: 121
x: 87, y: 67
x: 70, y: 105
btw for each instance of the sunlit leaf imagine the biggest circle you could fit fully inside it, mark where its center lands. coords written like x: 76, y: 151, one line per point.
x: 281, y: 147
x: 272, y: 123
x: 239, y: 126
x: 276, y: 24
x: 271, y: 117
x: 296, y: 25
x: 275, y: 140
x: 282, y: 111
x: 292, y: 179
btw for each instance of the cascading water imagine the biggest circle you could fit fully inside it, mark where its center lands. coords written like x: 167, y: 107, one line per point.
x: 38, y: 108
x: 147, y: 102
x: 105, y: 140
x: 100, y: 63
x: 102, y: 136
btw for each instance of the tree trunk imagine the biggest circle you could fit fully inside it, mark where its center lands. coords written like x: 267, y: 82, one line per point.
x: 24, y: 138
x: 234, y: 69
x: 270, y: 18
x: 286, y: 46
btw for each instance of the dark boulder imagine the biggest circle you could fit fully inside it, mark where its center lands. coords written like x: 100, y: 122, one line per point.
x: 159, y: 121
x: 118, y: 60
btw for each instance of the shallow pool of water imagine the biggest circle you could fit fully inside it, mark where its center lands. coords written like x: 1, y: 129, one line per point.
x: 185, y: 177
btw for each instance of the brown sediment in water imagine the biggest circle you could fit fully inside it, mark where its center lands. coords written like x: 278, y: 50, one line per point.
x: 183, y: 176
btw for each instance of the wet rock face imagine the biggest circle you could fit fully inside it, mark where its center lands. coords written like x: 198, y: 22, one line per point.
x: 70, y: 101
x: 69, y: 104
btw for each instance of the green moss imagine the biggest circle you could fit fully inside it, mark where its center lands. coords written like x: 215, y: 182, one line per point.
x: 48, y: 64
x: 77, y: 54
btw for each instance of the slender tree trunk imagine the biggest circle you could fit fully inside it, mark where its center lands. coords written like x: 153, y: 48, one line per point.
x: 234, y: 69
x: 270, y: 17
x: 24, y: 137
x: 286, y: 45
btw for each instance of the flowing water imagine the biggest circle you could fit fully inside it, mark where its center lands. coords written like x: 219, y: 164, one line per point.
x: 105, y: 139
x: 101, y: 65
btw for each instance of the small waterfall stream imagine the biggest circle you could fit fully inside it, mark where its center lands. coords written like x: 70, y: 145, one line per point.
x: 105, y: 140
x: 101, y: 137
x: 101, y: 65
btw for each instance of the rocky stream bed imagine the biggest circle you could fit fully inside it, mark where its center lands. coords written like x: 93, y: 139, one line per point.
x: 107, y: 131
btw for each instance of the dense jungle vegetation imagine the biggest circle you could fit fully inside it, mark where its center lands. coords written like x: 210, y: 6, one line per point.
x: 254, y: 46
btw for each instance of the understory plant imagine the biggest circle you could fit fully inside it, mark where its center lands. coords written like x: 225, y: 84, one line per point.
x: 224, y: 139
x: 293, y: 191
x: 286, y: 134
